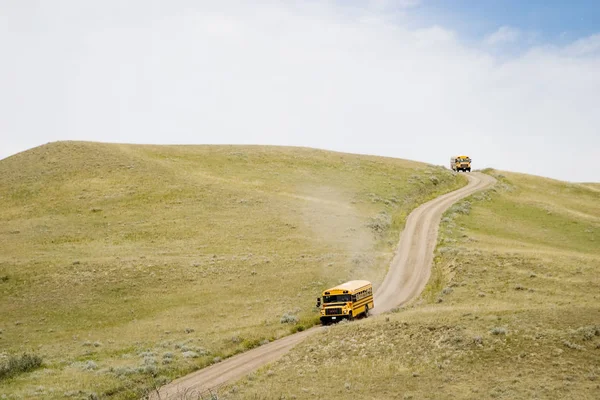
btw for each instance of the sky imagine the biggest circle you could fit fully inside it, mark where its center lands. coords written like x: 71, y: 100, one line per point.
x: 513, y: 84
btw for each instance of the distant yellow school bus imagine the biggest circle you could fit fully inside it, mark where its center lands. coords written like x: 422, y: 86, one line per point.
x: 346, y: 301
x: 460, y: 163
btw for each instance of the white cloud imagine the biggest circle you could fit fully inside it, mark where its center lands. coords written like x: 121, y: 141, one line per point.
x: 504, y: 34
x: 313, y: 74
x: 383, y: 4
x: 585, y: 46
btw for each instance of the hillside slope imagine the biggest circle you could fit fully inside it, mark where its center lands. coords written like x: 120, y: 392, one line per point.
x: 511, y: 311
x: 126, y: 265
x: 407, y: 275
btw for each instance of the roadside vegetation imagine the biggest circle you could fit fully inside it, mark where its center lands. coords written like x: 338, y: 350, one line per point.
x: 512, y: 311
x: 125, y: 266
x: 13, y: 365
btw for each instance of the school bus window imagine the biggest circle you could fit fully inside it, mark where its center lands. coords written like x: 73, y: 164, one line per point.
x: 340, y: 298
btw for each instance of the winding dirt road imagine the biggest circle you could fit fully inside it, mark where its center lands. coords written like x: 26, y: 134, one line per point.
x: 411, y: 266
x: 406, y: 278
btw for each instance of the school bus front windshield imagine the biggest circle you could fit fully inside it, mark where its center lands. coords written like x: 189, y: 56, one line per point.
x: 339, y: 298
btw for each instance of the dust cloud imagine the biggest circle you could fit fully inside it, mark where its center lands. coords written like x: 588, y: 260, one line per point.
x: 335, y: 218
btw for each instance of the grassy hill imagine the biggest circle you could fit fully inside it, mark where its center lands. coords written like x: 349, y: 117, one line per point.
x: 593, y: 186
x: 125, y: 265
x: 512, y: 311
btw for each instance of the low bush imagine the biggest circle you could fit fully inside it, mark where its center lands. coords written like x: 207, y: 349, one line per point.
x: 288, y: 318
x: 16, y: 365
x: 498, y: 331
x: 380, y: 223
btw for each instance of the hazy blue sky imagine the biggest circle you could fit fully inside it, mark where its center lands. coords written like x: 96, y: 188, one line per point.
x: 514, y: 84
x: 550, y: 20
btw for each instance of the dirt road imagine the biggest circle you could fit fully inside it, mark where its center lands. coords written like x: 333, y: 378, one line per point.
x: 406, y: 278
x: 411, y: 266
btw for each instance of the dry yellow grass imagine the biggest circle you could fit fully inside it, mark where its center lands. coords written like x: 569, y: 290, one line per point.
x: 127, y: 265
x: 512, y: 311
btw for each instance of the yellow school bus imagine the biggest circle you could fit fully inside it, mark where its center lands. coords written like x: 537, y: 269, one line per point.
x: 460, y: 163
x: 346, y: 301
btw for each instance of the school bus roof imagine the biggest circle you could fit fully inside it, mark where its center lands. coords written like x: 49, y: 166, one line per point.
x: 350, y: 286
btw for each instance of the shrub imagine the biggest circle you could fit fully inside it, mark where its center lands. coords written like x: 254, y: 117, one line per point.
x: 90, y: 366
x: 588, y: 332
x: 16, y: 365
x: 85, y: 366
x: 380, y: 223
x: 573, y: 346
x: 498, y: 331
x: 447, y: 250
x: 236, y: 339
x: 463, y: 207
x: 288, y: 318
x: 149, y: 369
x: 200, y: 350
x: 149, y: 360
x: 168, y: 358
x: 250, y: 343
